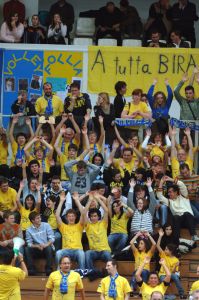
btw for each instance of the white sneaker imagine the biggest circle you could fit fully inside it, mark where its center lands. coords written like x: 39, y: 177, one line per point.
x: 195, y: 238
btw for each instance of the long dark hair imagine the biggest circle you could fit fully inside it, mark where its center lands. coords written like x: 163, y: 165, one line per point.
x: 52, y: 25
x: 9, y: 19
x: 113, y: 212
x: 33, y: 199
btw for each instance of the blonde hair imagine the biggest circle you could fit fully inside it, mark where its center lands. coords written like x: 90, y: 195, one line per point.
x: 105, y: 96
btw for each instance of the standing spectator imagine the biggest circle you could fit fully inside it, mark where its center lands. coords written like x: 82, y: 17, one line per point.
x: 114, y: 285
x: 160, y: 106
x: 66, y: 12
x: 119, y: 101
x: 35, y: 34
x: 131, y: 23
x: 16, y: 6
x: 49, y: 104
x: 77, y: 103
x: 10, y: 276
x: 179, y: 205
x: 39, y: 240
x: 64, y: 281
x: 108, y: 22
x: 96, y: 231
x: 176, y: 40
x: 189, y: 105
x: 158, y: 19
x: 12, y: 30
x: 22, y: 105
x: 183, y: 15
x: 57, y: 31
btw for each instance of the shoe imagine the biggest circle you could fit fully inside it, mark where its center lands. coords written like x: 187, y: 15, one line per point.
x: 195, y: 238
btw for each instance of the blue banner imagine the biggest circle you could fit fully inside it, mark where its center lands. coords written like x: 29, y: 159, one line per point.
x: 22, y: 71
x: 132, y: 122
x: 183, y: 124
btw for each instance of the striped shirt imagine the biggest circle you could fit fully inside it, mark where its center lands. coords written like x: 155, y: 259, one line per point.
x: 142, y: 221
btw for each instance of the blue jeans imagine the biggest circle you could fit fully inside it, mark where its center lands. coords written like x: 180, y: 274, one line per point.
x: 195, y: 208
x: 75, y: 254
x: 117, y: 241
x: 176, y: 280
x: 144, y: 275
x: 164, y: 213
x: 92, y: 255
x: 58, y: 239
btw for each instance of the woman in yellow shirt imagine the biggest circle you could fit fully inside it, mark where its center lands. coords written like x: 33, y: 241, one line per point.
x: 119, y: 214
x: 140, y: 252
x: 29, y: 206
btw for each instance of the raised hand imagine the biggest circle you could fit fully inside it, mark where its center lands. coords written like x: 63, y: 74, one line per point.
x: 115, y: 144
x: 166, y: 81
x: 87, y: 117
x: 185, y: 77
x: 173, y: 131
x: 28, y: 121
x: 63, y: 130
x: 21, y: 184
x: 155, y: 81
x: 15, y: 119
x: 132, y: 183
x: 148, y: 131
x: 161, y: 232
x: 187, y: 131
x: 148, y: 182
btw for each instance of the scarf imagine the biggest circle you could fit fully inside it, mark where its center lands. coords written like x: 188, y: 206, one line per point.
x: 49, y: 107
x: 20, y: 154
x: 112, y: 292
x: 64, y: 283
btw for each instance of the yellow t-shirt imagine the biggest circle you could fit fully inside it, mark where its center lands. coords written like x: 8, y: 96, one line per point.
x: 7, y: 199
x: 175, y: 166
x: 64, y: 145
x: 195, y: 286
x: 25, y: 222
x: 57, y: 104
x: 71, y: 236
x: 139, y: 258
x: 132, y: 107
x: 119, y: 225
x: 64, y: 159
x: 156, y: 151
x: 52, y: 220
x: 97, y: 236
x: 14, y: 147
x: 123, y: 166
x: 9, y: 282
x: 122, y: 287
x: 170, y: 262
x: 3, y: 153
x: 74, y: 282
x: 147, y: 290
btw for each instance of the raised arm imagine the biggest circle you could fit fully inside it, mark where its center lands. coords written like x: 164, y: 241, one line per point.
x: 58, y: 211
x: 56, y: 145
x: 28, y: 123
x: 161, y: 233
x: 147, y: 138
x: 75, y: 126
x: 152, y: 203
x: 76, y: 198
x: 132, y: 242
x: 166, y: 269
x: 173, y: 142
x: 187, y: 131
x: 29, y: 145
x: 177, y: 90
x: 86, y: 209
x: 21, y: 186
x: 100, y: 199
x: 130, y: 202
x: 102, y: 131
x: 150, y: 93
x: 195, y: 71
x: 141, y: 268
x: 47, y: 145
x: 11, y: 136
x: 153, y: 243
x: 120, y: 139
x: 160, y: 193
x: 61, y: 123
x: 169, y: 93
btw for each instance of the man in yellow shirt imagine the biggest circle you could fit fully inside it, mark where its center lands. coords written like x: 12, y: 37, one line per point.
x: 64, y: 282
x: 11, y: 276
x: 113, y: 286
x: 8, y: 197
x: 49, y: 104
x: 96, y: 231
x: 153, y: 284
x: 71, y: 234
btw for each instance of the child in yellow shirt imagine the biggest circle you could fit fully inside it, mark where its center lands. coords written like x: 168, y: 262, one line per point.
x: 172, y: 262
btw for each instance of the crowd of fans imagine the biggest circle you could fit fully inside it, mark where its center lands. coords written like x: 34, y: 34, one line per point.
x: 84, y: 187
x: 174, y: 24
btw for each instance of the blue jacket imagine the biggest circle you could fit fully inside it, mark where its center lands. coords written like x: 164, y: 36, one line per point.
x: 160, y: 111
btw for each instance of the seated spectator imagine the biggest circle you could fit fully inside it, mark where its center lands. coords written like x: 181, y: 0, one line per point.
x: 16, y: 6
x: 30, y: 186
x: 34, y: 34
x: 96, y: 231
x: 66, y: 12
x: 155, y: 40
x: 39, y: 240
x: 176, y: 41
x: 160, y: 106
x: 71, y: 234
x: 179, y: 205
x: 119, y: 214
x: 116, y: 195
x: 49, y: 104
x: 108, y: 22
x: 7, y: 198
x: 98, y: 160
x: 82, y: 179
x: 168, y: 236
x: 158, y: 19
x: 8, y: 230
x: 153, y: 284
x: 172, y: 263
x: 119, y: 100
x: 77, y: 103
x: 106, y: 110
x: 131, y: 23
x: 28, y: 206
x: 116, y: 179
x: 12, y: 30
x: 56, y: 31
x: 140, y: 252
